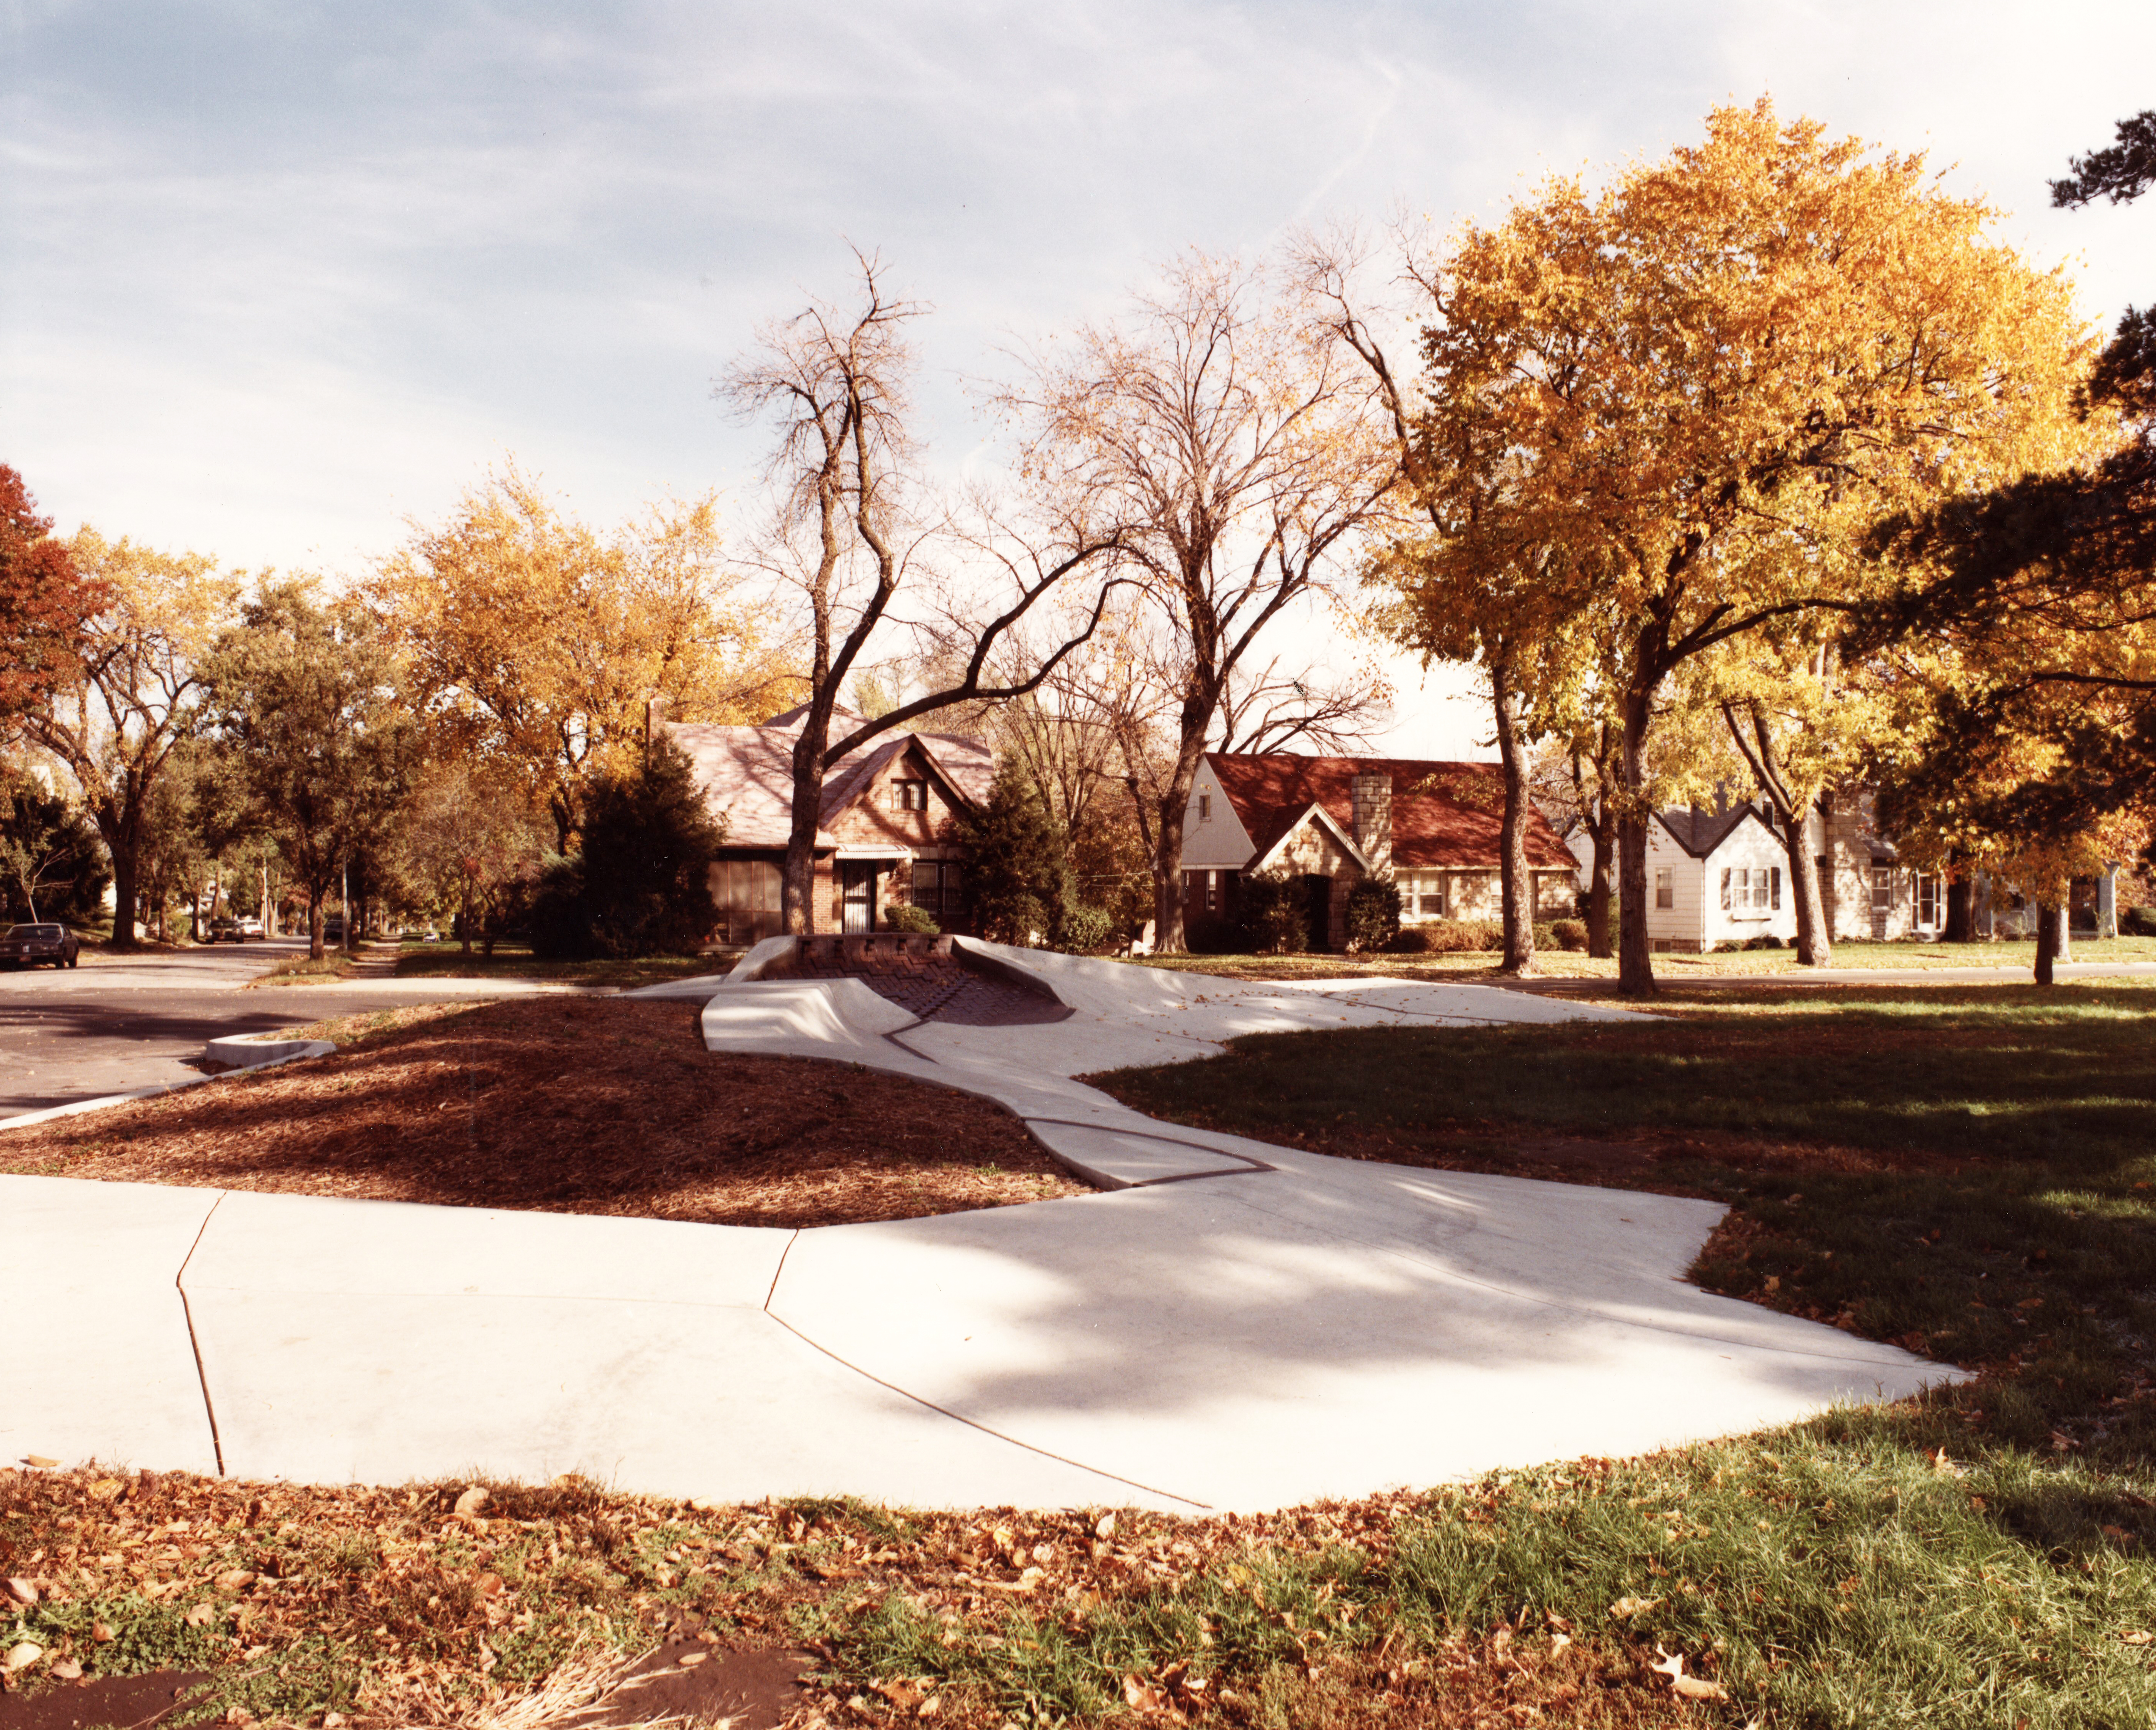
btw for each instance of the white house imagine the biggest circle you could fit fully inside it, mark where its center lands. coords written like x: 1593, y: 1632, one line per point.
x: 1717, y: 880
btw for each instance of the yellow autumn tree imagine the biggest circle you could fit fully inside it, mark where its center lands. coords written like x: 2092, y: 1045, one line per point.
x: 535, y: 642
x: 133, y: 697
x: 1658, y: 417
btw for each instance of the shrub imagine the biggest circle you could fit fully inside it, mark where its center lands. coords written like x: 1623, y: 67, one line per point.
x: 1212, y: 934
x: 641, y: 884
x: 1766, y: 940
x: 560, y: 922
x: 916, y: 921
x: 1567, y: 934
x: 1084, y: 930
x: 1545, y: 934
x: 1271, y: 914
x: 1374, y: 914
x: 1448, y: 937
x: 2138, y: 923
x: 1019, y: 874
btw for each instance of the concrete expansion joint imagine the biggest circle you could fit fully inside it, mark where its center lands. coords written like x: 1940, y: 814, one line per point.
x: 194, y: 1339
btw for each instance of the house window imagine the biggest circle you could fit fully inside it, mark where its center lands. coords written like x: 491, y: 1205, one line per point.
x: 1882, y: 889
x: 1775, y: 889
x: 909, y: 795
x: 939, y: 889
x: 1204, y: 808
x: 1430, y: 896
x: 1665, y: 888
x: 1927, y: 898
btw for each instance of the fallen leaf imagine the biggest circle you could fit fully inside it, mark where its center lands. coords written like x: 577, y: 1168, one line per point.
x: 488, y: 1585
x: 20, y: 1590
x: 1774, y: 1282
x: 235, y: 1579
x: 21, y: 1656
x: 2135, y: 1637
x: 689, y: 1661
x: 1690, y: 1688
x: 39, y: 1460
x: 102, y: 1633
x: 1105, y: 1526
x: 1626, y: 1608
x: 67, y: 1671
x: 470, y: 1502
x: 201, y: 1615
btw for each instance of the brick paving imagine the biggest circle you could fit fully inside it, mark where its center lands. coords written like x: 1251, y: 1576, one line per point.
x: 920, y: 974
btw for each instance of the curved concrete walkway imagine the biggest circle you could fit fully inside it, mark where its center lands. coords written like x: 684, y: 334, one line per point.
x: 1228, y: 1325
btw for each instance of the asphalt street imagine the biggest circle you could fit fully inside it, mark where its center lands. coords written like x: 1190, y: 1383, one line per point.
x: 118, y: 1023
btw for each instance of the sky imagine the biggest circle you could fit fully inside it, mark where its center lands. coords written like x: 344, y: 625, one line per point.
x: 276, y: 278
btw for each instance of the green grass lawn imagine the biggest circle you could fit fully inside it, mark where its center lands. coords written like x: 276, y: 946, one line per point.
x: 515, y: 961
x: 1675, y: 969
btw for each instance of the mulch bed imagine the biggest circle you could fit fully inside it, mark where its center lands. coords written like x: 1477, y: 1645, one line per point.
x: 567, y: 1104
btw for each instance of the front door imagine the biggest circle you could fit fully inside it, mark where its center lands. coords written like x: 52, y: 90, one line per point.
x: 1317, y: 903
x: 857, y: 887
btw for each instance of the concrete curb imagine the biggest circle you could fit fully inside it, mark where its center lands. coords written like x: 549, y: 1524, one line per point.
x: 252, y: 1051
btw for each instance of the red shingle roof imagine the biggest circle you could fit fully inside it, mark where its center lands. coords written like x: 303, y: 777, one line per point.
x: 1446, y: 815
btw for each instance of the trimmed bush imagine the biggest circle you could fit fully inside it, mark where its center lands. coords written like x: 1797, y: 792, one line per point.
x: 1568, y: 934
x: 2138, y: 923
x: 1374, y: 914
x: 917, y: 921
x: 1766, y: 940
x: 1448, y: 937
x: 1545, y: 934
x: 1084, y: 930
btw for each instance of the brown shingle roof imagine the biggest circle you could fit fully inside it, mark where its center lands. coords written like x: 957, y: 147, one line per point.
x: 747, y: 775
x: 1445, y: 814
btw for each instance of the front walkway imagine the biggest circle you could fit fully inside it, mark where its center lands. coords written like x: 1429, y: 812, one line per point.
x: 1239, y: 1326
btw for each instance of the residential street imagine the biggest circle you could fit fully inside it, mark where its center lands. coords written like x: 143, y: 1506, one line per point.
x: 115, y: 1023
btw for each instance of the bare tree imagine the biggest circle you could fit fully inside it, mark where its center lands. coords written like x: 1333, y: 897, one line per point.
x: 1224, y: 428
x: 853, y: 528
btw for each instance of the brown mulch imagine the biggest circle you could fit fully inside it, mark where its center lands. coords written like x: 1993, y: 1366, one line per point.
x: 567, y: 1104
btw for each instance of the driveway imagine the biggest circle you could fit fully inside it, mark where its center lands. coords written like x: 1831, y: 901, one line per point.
x: 118, y: 1023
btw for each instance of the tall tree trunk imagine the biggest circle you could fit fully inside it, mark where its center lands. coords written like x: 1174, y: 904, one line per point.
x: 1961, y: 909
x: 315, y: 951
x: 2050, y: 932
x: 1635, y: 966
x: 1516, y: 883
x: 1793, y: 810
x: 1169, y: 937
x: 1814, y: 941
x: 1599, y: 885
x: 797, y: 893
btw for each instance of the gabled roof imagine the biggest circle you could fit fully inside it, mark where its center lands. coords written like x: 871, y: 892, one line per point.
x: 1315, y: 813
x: 1445, y: 814
x: 1699, y: 832
x: 747, y: 775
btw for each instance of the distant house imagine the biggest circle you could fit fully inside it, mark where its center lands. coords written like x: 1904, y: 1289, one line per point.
x: 1717, y: 879
x: 884, y: 834
x: 1434, y: 829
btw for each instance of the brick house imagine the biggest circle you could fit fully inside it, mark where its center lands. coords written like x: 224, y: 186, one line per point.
x: 885, y: 837
x: 1434, y: 828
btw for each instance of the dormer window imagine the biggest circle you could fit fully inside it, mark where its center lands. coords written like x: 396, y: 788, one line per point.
x: 908, y: 796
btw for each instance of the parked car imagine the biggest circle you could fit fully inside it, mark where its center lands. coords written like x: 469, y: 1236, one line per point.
x: 29, y: 945
x: 249, y: 927
x: 225, y: 929
x: 333, y: 928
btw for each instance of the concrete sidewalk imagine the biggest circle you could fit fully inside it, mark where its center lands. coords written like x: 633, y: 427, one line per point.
x: 1228, y: 1325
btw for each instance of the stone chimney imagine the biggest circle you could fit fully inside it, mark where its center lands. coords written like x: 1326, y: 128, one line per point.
x: 1373, y: 821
